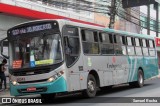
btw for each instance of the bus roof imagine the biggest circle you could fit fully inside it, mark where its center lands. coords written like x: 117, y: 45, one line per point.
x: 108, y: 30
x: 128, y: 33
x: 62, y: 21
x: 68, y: 22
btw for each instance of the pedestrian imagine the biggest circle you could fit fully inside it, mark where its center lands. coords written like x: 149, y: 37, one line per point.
x: 2, y: 74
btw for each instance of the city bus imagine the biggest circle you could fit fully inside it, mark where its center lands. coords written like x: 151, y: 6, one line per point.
x: 50, y: 57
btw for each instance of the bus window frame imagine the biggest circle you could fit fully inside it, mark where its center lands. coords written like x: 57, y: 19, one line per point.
x: 139, y: 40
x: 100, y: 43
x: 151, y: 47
x: 133, y: 45
x: 143, y: 47
x: 93, y: 30
x: 63, y: 43
x: 125, y: 45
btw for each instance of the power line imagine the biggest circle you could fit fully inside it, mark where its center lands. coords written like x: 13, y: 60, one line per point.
x: 81, y: 5
x: 103, y: 8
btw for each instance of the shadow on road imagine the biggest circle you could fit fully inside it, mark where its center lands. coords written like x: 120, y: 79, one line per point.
x: 101, y: 96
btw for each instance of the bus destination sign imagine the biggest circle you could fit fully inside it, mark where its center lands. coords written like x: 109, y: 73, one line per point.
x: 30, y: 29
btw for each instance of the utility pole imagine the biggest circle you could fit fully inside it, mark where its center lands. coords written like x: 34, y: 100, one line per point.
x: 148, y: 19
x: 157, y: 19
x: 112, y: 14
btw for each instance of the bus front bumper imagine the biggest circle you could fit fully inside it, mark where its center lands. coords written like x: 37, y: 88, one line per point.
x: 56, y: 86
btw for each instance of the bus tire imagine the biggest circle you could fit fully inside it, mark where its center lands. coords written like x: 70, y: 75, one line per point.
x: 140, y: 82
x: 91, y: 87
x: 48, y: 97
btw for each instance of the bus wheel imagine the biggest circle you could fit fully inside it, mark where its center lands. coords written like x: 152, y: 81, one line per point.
x: 140, y: 81
x: 48, y: 97
x: 91, y: 87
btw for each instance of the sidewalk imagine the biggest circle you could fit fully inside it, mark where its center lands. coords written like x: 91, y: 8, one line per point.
x: 5, y: 93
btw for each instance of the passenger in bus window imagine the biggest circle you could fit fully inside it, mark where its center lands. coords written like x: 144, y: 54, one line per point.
x: 46, y: 49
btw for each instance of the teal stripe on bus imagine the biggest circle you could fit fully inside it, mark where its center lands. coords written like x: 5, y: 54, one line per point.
x: 59, y: 85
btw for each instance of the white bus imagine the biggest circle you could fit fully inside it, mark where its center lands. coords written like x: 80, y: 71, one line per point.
x: 48, y: 57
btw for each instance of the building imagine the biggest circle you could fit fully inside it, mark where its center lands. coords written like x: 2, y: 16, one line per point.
x: 151, y: 23
x: 13, y: 12
x: 93, y: 12
x: 150, y: 11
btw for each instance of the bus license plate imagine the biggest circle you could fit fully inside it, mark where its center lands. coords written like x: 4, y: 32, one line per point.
x: 31, y: 89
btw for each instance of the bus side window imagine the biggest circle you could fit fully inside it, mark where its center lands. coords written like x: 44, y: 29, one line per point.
x: 124, y: 43
x: 153, y: 43
x: 106, y: 43
x: 151, y: 48
x: 71, y: 44
x: 118, y: 44
x: 138, y: 48
x: 90, y: 42
x: 144, y: 48
x: 130, y: 46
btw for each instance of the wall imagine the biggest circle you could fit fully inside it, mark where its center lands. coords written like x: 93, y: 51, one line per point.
x: 7, y: 22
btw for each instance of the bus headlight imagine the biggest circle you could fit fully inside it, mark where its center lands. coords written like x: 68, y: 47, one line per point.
x: 56, y: 76
x: 15, y: 83
x: 51, y: 79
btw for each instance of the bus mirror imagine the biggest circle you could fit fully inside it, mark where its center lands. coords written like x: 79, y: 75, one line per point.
x: 1, y: 42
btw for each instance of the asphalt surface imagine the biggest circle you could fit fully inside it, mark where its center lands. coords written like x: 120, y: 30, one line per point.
x: 121, y: 95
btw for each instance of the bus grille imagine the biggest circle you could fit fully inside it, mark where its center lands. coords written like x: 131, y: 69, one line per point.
x: 34, y: 81
x: 31, y: 72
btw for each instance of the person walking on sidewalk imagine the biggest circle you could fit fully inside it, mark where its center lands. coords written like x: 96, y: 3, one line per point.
x: 2, y: 74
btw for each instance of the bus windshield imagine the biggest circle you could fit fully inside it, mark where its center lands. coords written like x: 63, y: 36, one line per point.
x: 36, y: 51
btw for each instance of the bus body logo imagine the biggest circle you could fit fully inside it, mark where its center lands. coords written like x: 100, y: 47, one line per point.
x: 89, y: 61
x: 113, y: 59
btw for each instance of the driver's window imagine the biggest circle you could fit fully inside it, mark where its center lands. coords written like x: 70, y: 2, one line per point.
x: 74, y: 45
x: 71, y: 44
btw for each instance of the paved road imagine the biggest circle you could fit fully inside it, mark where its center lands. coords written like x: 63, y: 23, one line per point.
x: 150, y: 89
